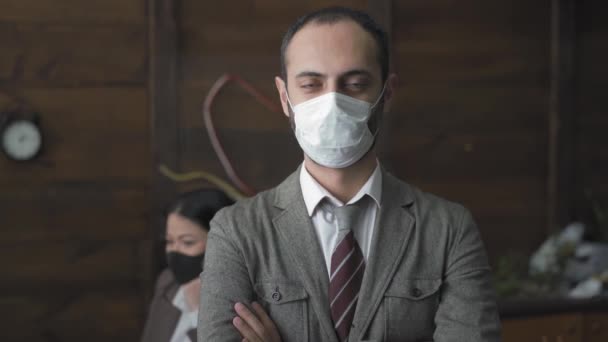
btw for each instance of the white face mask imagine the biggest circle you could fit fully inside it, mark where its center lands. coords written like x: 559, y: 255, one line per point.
x: 332, y: 128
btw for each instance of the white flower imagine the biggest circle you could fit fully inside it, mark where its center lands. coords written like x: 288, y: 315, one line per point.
x: 545, y: 258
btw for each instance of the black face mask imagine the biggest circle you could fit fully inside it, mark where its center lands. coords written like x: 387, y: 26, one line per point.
x: 185, y: 267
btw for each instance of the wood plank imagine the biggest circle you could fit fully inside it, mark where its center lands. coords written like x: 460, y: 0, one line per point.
x: 595, y: 327
x: 471, y: 108
x: 476, y: 41
x: 209, y: 51
x: 108, y: 12
x: 483, y: 58
x: 356, y: 4
x: 508, y: 235
x: 233, y: 107
x: 562, y: 117
x: 205, y: 68
x: 37, y: 56
x: 509, y: 196
x: 90, y: 316
x: 592, y: 146
x: 478, y: 15
x: 451, y: 155
x: 73, y: 211
x: 566, y: 328
x: 592, y: 52
x: 123, y: 311
x: 279, y: 13
x: 70, y: 266
x: 164, y: 138
x: 591, y: 102
x: 248, y: 152
x: 382, y: 12
x: 90, y: 134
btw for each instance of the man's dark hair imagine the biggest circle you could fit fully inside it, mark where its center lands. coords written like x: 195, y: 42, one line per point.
x: 199, y: 206
x: 332, y: 15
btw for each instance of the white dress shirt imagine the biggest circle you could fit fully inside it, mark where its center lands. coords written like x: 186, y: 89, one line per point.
x: 187, y: 320
x: 321, y: 213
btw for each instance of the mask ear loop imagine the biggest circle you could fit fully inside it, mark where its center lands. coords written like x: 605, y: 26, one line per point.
x: 289, y: 101
x: 372, y: 108
x: 379, y: 97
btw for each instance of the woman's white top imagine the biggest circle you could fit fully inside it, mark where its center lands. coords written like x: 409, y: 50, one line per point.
x: 187, y: 320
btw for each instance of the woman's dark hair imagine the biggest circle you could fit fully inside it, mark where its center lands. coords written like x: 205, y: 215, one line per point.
x: 200, y: 206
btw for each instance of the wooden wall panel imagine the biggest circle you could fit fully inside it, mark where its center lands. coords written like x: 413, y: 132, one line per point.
x: 70, y: 266
x: 475, y: 41
x: 592, y: 109
x: 71, y: 318
x: 74, y: 211
x: 90, y: 134
x: 470, y: 118
x: 60, y: 55
x: 74, y: 12
x: 75, y: 240
x: 563, y: 327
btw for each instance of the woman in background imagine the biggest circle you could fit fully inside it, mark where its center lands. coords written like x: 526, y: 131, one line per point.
x: 173, y: 313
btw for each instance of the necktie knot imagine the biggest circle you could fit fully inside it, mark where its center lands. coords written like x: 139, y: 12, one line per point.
x: 347, y: 215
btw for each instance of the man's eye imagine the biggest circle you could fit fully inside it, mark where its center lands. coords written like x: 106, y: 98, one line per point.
x: 356, y: 85
x: 189, y: 243
x: 308, y: 85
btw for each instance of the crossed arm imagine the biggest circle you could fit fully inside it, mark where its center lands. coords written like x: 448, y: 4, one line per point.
x: 225, y: 291
x: 467, y: 310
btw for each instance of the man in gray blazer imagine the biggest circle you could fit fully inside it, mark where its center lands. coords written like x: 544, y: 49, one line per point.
x: 342, y: 250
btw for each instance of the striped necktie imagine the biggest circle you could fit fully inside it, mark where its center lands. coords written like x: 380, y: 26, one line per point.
x: 347, y: 268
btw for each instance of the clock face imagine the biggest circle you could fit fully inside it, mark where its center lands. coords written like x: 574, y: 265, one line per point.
x: 21, y: 140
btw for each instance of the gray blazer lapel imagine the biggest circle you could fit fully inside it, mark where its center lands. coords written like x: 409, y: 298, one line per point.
x: 296, y: 229
x: 394, y: 225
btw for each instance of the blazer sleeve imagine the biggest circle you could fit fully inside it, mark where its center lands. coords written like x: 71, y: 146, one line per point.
x: 467, y: 310
x: 224, y: 282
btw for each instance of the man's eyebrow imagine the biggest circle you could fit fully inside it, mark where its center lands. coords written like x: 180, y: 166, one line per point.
x: 357, y: 72
x: 309, y: 74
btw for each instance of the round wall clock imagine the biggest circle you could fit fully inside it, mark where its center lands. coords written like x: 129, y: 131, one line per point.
x: 21, y: 139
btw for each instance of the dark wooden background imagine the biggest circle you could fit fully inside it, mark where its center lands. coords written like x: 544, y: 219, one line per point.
x: 119, y: 86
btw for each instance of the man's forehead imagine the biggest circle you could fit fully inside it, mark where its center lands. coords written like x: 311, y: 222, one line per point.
x: 342, y: 44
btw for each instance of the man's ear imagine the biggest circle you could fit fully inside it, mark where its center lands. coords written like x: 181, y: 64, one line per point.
x: 389, y: 92
x: 282, y: 89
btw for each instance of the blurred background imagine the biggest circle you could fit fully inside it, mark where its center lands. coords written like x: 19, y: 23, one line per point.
x: 502, y: 106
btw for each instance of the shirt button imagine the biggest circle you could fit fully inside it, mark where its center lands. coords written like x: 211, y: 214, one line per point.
x: 416, y: 292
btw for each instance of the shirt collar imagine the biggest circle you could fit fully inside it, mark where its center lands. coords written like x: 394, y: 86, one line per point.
x: 314, y: 193
x: 179, y: 301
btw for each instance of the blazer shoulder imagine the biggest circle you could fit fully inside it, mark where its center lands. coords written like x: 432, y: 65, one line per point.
x: 427, y: 204
x: 246, y: 210
x: 437, y: 202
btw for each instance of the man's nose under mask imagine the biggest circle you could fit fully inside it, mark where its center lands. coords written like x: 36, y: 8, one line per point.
x: 332, y: 129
